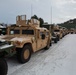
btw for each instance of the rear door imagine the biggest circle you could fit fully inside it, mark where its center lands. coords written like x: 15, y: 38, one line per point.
x: 45, y: 41
x: 39, y: 40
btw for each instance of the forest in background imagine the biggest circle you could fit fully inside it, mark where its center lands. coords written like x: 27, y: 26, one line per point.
x: 69, y: 24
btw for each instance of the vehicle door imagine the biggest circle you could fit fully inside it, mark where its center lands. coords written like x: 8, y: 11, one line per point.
x: 40, y: 38
x: 45, y: 40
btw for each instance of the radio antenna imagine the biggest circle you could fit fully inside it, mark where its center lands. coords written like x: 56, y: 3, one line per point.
x: 51, y: 14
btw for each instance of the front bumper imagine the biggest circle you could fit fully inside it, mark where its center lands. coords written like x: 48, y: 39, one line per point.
x: 53, y: 38
x: 6, y: 47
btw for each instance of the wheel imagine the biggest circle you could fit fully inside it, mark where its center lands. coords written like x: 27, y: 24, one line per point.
x: 50, y: 44
x: 3, y: 67
x: 24, y: 54
x: 55, y: 40
x: 47, y: 47
x: 58, y: 38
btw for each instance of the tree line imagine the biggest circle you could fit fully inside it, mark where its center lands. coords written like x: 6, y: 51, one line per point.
x: 69, y: 24
x: 40, y: 19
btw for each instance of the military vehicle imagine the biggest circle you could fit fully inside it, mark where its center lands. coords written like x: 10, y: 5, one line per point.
x: 27, y: 37
x: 2, y: 29
x: 72, y: 30
x: 75, y: 31
x: 58, y: 32
x: 65, y: 31
x: 51, y: 29
x: 6, y: 49
x: 55, y: 30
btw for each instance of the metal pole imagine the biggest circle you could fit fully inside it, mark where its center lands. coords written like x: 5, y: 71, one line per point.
x: 31, y: 10
x: 51, y: 14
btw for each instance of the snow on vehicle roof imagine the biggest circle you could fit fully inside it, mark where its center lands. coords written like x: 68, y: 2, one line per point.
x: 41, y: 28
x: 2, y: 26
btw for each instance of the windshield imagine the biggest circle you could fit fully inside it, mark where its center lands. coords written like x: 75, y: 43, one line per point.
x: 23, y: 31
x: 30, y: 32
x: 12, y: 31
x: 56, y: 30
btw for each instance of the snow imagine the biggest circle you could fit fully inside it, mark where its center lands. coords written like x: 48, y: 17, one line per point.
x: 2, y: 26
x: 21, y: 39
x: 2, y: 40
x: 60, y: 59
x: 5, y: 46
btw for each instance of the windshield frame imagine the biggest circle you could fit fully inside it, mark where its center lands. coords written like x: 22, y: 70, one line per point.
x: 20, y: 31
x: 29, y: 31
x: 14, y: 32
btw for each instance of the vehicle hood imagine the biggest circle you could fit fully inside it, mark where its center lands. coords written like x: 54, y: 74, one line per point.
x: 16, y: 38
x: 21, y: 39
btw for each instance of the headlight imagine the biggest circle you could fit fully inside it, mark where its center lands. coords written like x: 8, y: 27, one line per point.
x: 12, y: 42
x: 18, y: 43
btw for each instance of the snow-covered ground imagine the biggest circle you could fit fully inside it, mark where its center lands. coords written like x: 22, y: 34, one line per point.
x: 60, y: 59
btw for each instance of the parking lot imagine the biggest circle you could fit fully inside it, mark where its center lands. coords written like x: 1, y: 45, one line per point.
x: 60, y: 59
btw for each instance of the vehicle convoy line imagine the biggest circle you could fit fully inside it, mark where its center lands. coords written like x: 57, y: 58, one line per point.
x: 27, y: 37
x: 37, y: 54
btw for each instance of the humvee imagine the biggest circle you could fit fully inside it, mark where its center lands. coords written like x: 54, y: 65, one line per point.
x: 2, y: 29
x: 75, y: 31
x: 51, y: 29
x: 58, y: 32
x: 72, y: 30
x: 6, y: 49
x: 27, y: 37
x: 65, y: 31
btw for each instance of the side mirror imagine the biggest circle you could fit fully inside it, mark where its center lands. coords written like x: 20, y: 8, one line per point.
x: 43, y: 36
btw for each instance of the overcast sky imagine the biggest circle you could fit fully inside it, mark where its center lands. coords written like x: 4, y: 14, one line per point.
x: 62, y: 10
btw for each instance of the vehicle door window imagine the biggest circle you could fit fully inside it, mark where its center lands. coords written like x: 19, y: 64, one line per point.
x: 28, y: 32
x: 47, y: 33
x: 42, y: 35
x: 16, y: 31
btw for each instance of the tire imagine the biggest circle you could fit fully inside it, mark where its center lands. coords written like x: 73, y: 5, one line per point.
x: 3, y: 67
x: 24, y: 55
x: 50, y: 44
x: 55, y: 40
x: 47, y: 47
x: 58, y: 38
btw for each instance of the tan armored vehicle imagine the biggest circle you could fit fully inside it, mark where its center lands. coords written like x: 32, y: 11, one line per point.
x: 58, y: 32
x: 28, y: 37
x: 51, y: 29
x: 72, y: 30
x: 65, y: 31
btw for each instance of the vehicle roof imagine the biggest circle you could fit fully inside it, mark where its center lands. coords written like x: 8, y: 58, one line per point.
x: 41, y: 28
x: 38, y: 28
